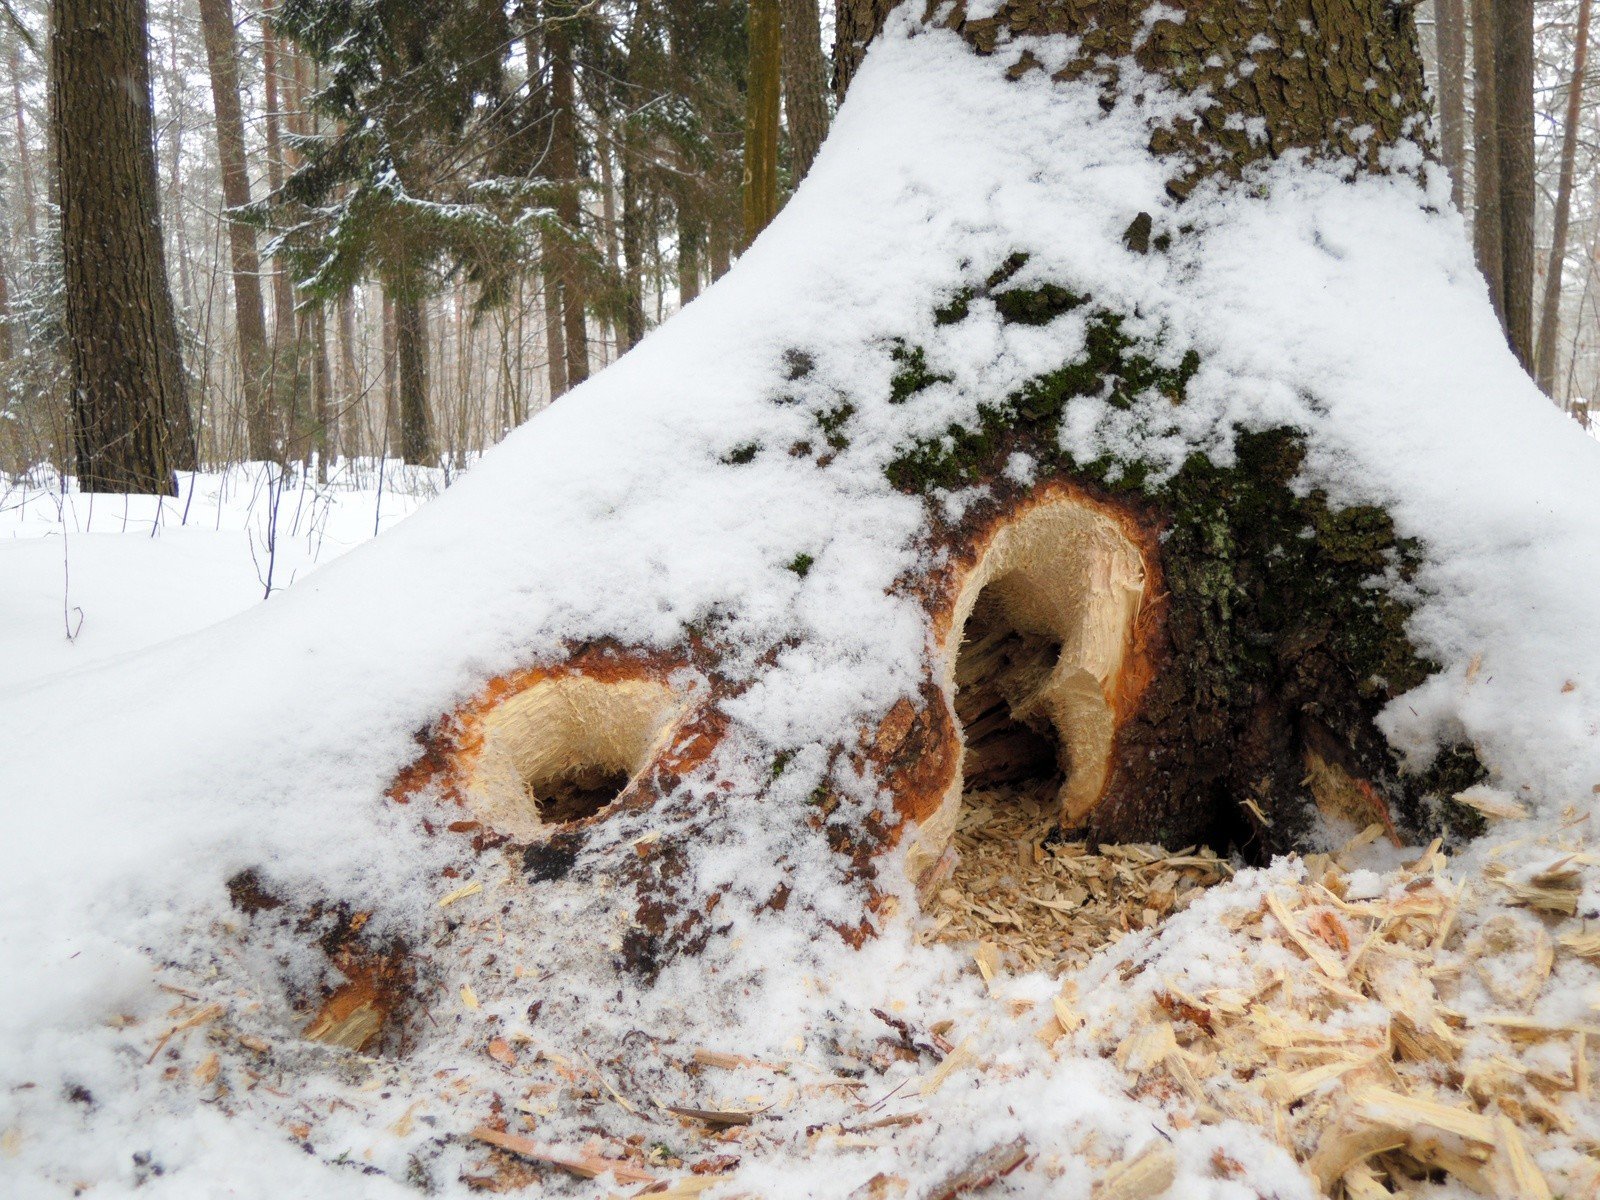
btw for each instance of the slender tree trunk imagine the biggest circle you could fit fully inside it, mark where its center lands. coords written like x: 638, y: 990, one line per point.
x: 1452, y: 39
x: 1550, y: 313
x: 760, y: 185
x: 689, y: 236
x: 285, y: 352
x: 718, y: 251
x: 349, y: 377
x: 321, y: 440
x: 805, y: 84
x: 411, y: 351
x: 216, y: 22
x: 24, y: 155
x: 131, y: 423
x: 391, y: 376
x: 633, y: 219
x: 7, y: 340
x: 555, y: 341
x: 1488, y: 231
x: 564, y: 170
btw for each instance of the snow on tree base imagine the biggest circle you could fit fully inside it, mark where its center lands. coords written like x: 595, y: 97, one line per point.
x: 154, y: 1026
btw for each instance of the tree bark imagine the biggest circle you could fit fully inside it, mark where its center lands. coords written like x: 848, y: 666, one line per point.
x: 24, y: 155
x: 216, y: 22
x: 411, y: 351
x: 760, y: 186
x: 564, y: 171
x: 805, y: 84
x: 1550, y: 312
x: 1488, y: 229
x: 1451, y: 25
x: 1513, y: 84
x: 131, y: 424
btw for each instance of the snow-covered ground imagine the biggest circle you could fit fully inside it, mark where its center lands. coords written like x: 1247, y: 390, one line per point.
x: 85, y: 577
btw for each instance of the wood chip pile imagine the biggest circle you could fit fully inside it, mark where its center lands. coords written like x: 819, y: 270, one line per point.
x: 1370, y: 1059
x: 1049, y: 905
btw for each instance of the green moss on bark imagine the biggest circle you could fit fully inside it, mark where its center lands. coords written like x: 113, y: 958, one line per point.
x: 1281, y: 638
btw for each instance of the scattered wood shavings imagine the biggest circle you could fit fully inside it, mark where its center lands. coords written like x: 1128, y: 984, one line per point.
x: 1043, y: 904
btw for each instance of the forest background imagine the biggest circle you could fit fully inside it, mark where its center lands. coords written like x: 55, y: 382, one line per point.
x: 400, y: 227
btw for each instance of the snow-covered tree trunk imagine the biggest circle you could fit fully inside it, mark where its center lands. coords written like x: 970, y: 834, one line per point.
x: 1191, y: 655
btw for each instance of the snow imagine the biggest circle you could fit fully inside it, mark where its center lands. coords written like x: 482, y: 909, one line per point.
x: 133, y: 786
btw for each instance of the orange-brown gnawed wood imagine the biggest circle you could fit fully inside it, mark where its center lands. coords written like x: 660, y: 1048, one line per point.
x: 1077, y: 575
x: 554, y: 745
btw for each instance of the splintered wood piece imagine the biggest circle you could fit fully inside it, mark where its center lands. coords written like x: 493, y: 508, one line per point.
x: 987, y: 1168
x: 1515, y: 1175
x: 719, y: 1118
x: 1140, y: 1178
x: 580, y: 1163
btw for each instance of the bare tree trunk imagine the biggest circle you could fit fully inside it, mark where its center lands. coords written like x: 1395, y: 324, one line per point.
x: 349, y: 377
x: 760, y: 190
x: 564, y: 170
x: 131, y: 423
x: 689, y: 236
x: 1488, y: 231
x: 391, y: 394
x: 1451, y: 26
x: 1550, y: 314
x: 1513, y: 84
x: 411, y: 351
x: 632, y: 256
x: 555, y: 341
x: 24, y: 156
x: 805, y: 83
x: 285, y: 352
x: 216, y: 22
x: 321, y: 439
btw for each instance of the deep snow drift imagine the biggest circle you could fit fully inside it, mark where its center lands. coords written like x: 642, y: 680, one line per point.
x: 131, y: 792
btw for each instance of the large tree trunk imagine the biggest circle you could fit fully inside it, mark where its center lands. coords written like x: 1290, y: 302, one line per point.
x: 216, y: 21
x: 1488, y: 227
x: 564, y: 171
x: 805, y: 84
x: 1452, y: 40
x: 131, y: 423
x: 1513, y: 91
x: 760, y: 191
x: 1215, y: 681
x: 1550, y: 312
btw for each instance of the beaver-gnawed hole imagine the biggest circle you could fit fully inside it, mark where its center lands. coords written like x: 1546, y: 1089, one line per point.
x: 1011, y: 746
x: 578, y: 796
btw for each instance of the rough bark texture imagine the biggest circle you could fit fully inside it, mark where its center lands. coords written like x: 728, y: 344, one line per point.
x: 1513, y: 90
x: 216, y: 21
x: 1256, y: 657
x: 760, y: 191
x: 1488, y: 230
x: 131, y: 424
x: 1451, y: 25
x: 411, y: 351
x: 564, y: 170
x: 284, y: 350
x: 805, y: 84
x: 1550, y: 312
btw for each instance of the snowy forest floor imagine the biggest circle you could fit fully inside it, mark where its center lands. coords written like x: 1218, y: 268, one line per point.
x: 86, y: 577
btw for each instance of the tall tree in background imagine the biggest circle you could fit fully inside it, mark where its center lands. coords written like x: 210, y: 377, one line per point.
x: 761, y: 118
x: 560, y: 15
x: 222, y: 55
x: 1513, y: 89
x: 1550, y: 313
x: 1451, y: 23
x: 805, y: 84
x: 1488, y: 231
x: 131, y: 424
x: 409, y: 89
